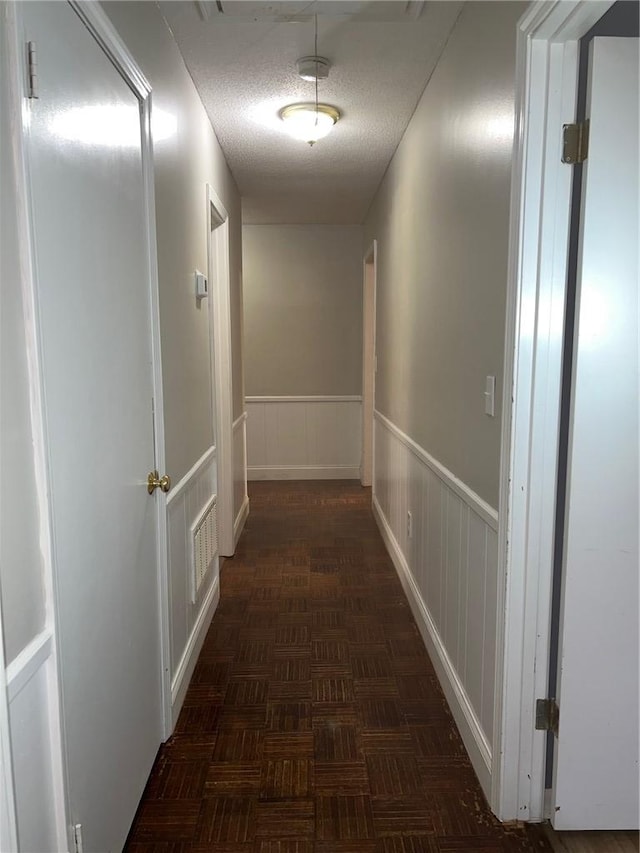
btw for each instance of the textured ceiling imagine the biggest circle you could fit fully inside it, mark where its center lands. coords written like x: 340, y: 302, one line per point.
x: 242, y: 60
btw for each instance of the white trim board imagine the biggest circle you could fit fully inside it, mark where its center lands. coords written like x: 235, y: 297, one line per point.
x: 239, y: 421
x: 221, y: 360
x: 8, y: 817
x: 189, y: 659
x: 240, y: 475
x: 23, y: 667
x: 466, y: 718
x: 304, y: 472
x: 241, y: 519
x: 546, y: 92
x: 369, y: 298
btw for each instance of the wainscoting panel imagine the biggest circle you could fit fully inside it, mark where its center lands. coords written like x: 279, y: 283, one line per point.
x: 189, y: 620
x: 240, y: 497
x: 33, y: 715
x: 303, y: 437
x: 446, y: 556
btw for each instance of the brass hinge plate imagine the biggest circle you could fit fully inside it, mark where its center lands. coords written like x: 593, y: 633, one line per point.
x: 575, y: 142
x: 547, y: 716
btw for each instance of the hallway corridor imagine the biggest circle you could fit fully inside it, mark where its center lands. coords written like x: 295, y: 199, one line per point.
x: 314, y: 722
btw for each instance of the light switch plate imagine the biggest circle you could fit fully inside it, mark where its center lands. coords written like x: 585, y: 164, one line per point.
x: 490, y: 396
x: 202, y: 285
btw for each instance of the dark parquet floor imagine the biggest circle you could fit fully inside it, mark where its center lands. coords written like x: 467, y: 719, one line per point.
x: 314, y: 722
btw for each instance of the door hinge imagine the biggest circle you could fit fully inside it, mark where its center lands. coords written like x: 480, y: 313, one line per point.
x: 32, y: 70
x: 575, y: 142
x: 77, y: 838
x: 547, y: 716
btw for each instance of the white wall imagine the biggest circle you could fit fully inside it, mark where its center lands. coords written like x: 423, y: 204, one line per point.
x: 303, y: 350
x: 302, y: 309
x: 441, y: 219
x: 184, y: 163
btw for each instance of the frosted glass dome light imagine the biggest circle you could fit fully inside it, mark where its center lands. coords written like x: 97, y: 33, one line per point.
x: 309, y: 122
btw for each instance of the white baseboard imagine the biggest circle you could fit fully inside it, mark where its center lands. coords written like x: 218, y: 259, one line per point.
x: 188, y: 661
x: 241, y: 520
x: 461, y: 708
x: 305, y: 472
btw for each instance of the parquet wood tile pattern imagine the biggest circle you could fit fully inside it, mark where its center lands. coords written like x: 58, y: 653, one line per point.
x: 314, y: 722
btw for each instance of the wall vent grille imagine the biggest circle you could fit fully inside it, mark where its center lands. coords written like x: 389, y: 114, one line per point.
x: 204, y: 541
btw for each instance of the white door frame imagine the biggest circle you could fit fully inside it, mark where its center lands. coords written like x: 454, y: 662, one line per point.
x: 222, y: 390
x: 13, y: 90
x: 546, y: 97
x: 369, y: 287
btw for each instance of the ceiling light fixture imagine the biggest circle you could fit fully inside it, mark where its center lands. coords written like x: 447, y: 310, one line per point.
x: 309, y: 122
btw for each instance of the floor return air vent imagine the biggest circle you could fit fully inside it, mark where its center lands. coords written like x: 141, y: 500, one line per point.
x: 204, y: 544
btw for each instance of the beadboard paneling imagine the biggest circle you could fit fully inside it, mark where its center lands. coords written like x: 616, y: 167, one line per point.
x: 303, y: 437
x: 449, y: 568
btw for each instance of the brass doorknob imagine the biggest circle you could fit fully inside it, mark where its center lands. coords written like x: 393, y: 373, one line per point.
x: 155, y: 481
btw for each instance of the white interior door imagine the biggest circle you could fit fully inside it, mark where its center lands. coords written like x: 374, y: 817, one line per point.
x: 90, y: 224
x: 596, y: 756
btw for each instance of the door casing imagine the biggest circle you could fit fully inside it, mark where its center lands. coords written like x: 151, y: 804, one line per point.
x: 369, y: 273
x: 221, y: 357
x: 546, y: 96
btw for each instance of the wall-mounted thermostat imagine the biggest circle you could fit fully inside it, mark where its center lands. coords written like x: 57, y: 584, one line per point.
x: 202, y: 285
